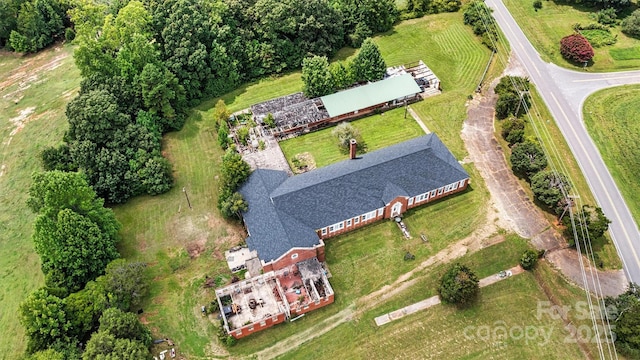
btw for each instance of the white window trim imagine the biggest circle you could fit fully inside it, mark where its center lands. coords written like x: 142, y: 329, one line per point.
x: 454, y: 186
x: 462, y: 182
x: 440, y: 191
x: 410, y: 201
x: 380, y: 211
x: 336, y: 227
x: 433, y: 193
x: 294, y: 256
x: 356, y: 220
x: 324, y: 231
x: 349, y: 222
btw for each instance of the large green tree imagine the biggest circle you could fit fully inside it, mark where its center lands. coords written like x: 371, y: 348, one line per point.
x: 294, y: 28
x: 459, y: 285
x: 368, y: 64
x: 363, y: 18
x: 316, y: 77
x: 104, y: 346
x: 624, y: 313
x: 163, y: 96
x: 513, y: 96
x: 631, y: 24
x: 125, y: 283
x: 124, y: 325
x: 9, y: 14
x: 84, y: 308
x: 74, y: 234
x: 44, y: 319
x: 590, y: 221
x: 234, y: 171
x: 39, y: 23
x: 550, y: 188
x: 527, y: 158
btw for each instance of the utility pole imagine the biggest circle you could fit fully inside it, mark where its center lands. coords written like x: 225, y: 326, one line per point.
x: 521, y: 93
x: 184, y: 190
x: 405, y: 108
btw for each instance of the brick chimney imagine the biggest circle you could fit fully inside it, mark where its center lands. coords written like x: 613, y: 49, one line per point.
x: 352, y: 148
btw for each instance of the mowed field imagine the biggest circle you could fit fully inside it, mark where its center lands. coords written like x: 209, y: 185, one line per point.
x: 493, y: 327
x: 545, y: 27
x: 378, y: 131
x: 611, y: 117
x: 33, y: 93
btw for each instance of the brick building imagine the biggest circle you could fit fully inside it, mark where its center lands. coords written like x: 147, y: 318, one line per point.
x: 290, y: 217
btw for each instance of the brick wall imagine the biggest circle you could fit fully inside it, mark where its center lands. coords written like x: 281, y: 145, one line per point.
x: 437, y: 197
x: 313, y: 306
x: 293, y: 256
x: 257, y: 326
x: 389, y: 208
x: 352, y: 227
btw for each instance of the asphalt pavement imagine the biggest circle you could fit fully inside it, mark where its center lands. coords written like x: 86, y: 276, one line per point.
x: 564, y: 92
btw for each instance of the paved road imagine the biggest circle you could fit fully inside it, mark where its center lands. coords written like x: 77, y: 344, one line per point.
x: 564, y: 92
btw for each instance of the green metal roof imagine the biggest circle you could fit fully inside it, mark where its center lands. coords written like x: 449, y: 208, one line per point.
x: 362, y: 97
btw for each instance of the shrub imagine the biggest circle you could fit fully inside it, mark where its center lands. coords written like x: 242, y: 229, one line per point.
x: 537, y: 4
x: 270, y: 121
x: 599, y: 38
x: 576, y: 48
x: 478, y: 15
x: 513, y: 130
x: 69, y: 34
x: 607, y: 16
x: 631, y: 24
x: 528, y: 259
x: 459, y: 285
x: 344, y: 132
x: 243, y: 135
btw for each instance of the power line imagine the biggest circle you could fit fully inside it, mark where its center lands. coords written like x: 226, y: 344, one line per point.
x: 482, y: 11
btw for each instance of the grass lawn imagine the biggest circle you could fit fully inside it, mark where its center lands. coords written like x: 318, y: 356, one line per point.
x: 554, y: 21
x: 160, y: 230
x: 38, y: 87
x: 560, y: 155
x: 611, y: 117
x: 378, y: 131
x: 439, y: 332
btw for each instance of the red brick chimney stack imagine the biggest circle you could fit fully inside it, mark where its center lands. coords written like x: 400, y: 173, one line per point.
x: 352, y: 148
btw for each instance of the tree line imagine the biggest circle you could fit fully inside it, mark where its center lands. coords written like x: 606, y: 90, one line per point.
x: 528, y: 160
x: 84, y: 310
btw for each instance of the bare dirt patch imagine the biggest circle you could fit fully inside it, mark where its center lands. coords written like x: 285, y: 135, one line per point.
x: 306, y: 163
x: 32, y: 70
x: 195, y: 248
x: 20, y: 121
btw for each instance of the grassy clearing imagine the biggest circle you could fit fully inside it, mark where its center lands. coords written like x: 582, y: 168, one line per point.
x: 38, y: 87
x: 378, y: 131
x: 554, y: 21
x: 439, y: 331
x: 559, y: 154
x: 611, y: 119
x: 451, y: 50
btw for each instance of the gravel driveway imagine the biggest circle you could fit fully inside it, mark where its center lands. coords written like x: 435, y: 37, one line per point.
x: 514, y: 206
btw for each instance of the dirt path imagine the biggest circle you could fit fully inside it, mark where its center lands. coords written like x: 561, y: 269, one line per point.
x: 308, y: 334
x: 514, y: 205
x: 483, y: 237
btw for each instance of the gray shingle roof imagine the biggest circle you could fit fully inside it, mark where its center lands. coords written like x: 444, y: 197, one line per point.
x: 285, y: 212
